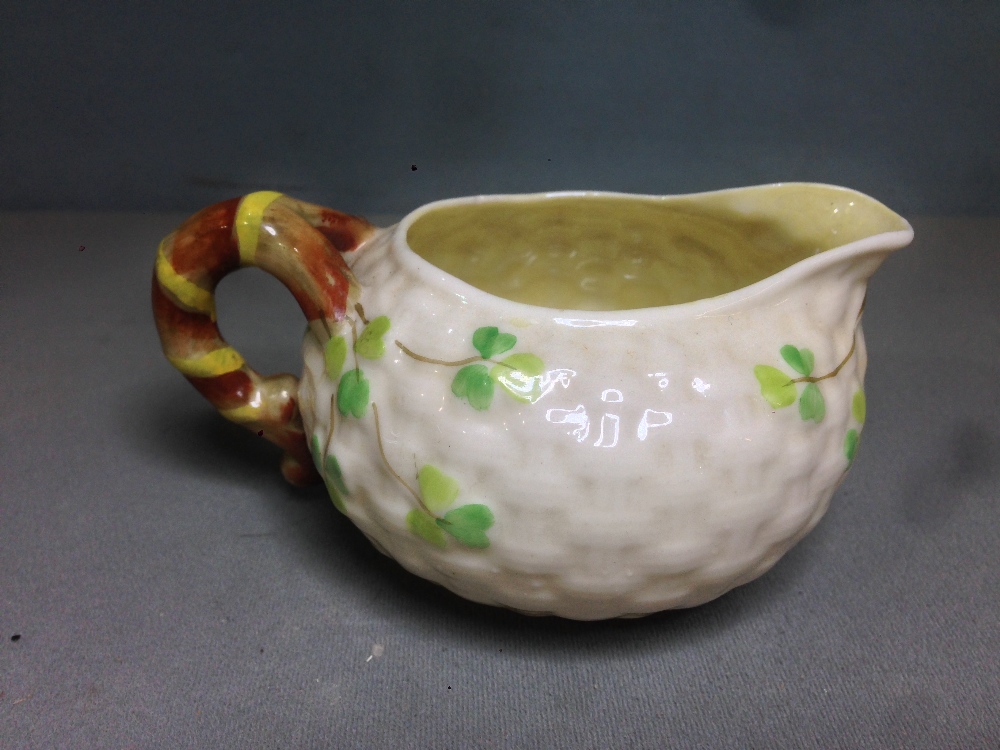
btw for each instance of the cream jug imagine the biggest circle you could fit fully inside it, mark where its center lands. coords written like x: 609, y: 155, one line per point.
x: 583, y: 404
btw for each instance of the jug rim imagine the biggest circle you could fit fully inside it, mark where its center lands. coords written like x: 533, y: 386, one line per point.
x: 884, y: 242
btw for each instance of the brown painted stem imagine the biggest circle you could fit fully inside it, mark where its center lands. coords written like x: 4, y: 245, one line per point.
x: 445, y: 363
x: 432, y: 361
x: 361, y: 313
x: 354, y: 343
x: 833, y: 373
x: 385, y: 460
x: 329, y: 438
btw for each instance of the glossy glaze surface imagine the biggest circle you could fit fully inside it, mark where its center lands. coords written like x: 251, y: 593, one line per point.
x: 301, y: 245
x: 612, y: 252
x: 584, y: 463
x: 595, y: 464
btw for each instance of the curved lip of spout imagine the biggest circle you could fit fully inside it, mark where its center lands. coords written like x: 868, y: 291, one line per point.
x: 880, y: 242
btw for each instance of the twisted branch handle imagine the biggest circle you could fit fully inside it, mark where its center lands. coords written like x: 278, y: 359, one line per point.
x: 301, y: 245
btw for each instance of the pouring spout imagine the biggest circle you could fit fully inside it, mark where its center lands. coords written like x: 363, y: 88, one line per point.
x: 841, y: 237
x: 820, y: 217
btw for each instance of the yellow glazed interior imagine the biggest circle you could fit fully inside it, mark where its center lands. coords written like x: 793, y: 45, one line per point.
x: 606, y: 252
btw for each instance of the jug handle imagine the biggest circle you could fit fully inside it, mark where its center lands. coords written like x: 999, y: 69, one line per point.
x: 301, y: 245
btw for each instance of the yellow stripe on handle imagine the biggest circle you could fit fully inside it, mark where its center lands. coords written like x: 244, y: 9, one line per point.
x: 249, y: 216
x: 184, y: 291
x: 252, y: 412
x: 221, y: 361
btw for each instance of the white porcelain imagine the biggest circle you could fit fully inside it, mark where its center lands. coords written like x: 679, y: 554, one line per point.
x: 649, y: 472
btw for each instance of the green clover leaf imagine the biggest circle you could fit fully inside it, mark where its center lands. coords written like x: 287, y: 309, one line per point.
x: 775, y: 386
x: 851, y: 440
x: 473, y: 383
x: 338, y: 501
x: 489, y: 342
x: 316, y: 450
x: 858, y: 408
x: 468, y: 524
x: 424, y: 525
x: 436, y: 488
x: 332, y: 476
x: 334, y: 354
x: 811, y: 404
x: 353, y: 393
x: 800, y: 360
x: 520, y: 376
x: 370, y: 344
x: 335, y: 475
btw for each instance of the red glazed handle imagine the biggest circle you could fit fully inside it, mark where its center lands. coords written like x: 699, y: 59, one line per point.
x: 298, y: 243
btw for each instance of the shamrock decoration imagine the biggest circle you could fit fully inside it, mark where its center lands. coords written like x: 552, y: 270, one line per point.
x: 466, y: 523
x: 473, y: 383
x: 334, y: 355
x: 489, y: 342
x: 517, y: 374
x: 353, y: 393
x: 853, y: 437
x: 437, y: 492
x: 779, y: 389
x: 437, y: 488
x: 370, y: 344
x: 434, y: 520
x: 331, y: 473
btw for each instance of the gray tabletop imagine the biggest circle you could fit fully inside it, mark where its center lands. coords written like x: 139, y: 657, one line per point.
x: 161, y: 586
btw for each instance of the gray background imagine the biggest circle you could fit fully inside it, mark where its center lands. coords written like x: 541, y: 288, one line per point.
x: 173, y: 105
x: 169, y: 589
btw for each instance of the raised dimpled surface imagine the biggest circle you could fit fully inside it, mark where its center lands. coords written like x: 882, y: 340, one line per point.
x: 595, y: 516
